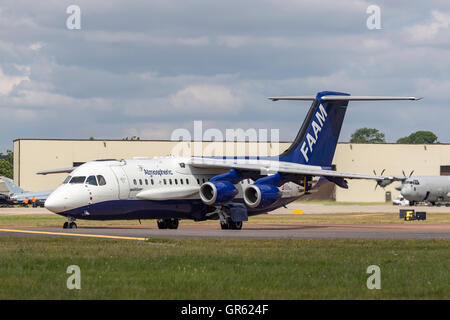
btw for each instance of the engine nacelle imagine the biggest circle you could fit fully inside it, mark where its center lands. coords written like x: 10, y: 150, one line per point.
x: 261, y: 195
x: 217, y: 192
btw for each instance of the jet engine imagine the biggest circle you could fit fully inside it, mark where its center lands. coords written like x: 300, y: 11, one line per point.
x: 217, y: 192
x: 261, y: 195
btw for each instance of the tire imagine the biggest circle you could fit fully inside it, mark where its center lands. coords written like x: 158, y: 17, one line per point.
x: 173, y: 223
x: 65, y: 225
x: 72, y: 225
x: 162, y: 224
x: 237, y: 225
x: 231, y: 225
x: 224, y: 226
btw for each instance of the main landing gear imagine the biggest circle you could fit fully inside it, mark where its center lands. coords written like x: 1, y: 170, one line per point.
x: 168, y: 223
x: 70, y: 224
x: 231, y: 225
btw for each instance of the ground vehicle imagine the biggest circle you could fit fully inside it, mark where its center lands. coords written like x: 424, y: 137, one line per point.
x: 400, y: 201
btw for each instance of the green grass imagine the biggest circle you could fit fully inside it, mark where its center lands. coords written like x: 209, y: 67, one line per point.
x: 35, y: 268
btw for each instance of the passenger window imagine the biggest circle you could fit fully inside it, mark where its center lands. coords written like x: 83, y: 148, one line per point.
x: 165, y: 182
x: 187, y: 181
x: 76, y: 180
x: 146, y: 182
x: 101, y: 180
x: 91, y: 180
x: 134, y: 181
x: 170, y: 181
x: 181, y: 181
x: 140, y: 182
x: 152, y: 181
x: 176, y: 181
x: 198, y: 181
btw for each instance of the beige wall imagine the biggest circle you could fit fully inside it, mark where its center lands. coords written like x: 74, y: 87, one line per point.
x: 364, y: 158
x: 31, y: 156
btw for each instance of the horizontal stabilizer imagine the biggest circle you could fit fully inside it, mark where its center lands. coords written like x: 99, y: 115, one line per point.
x: 343, y: 98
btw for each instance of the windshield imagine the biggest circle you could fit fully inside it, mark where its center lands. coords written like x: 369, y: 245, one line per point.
x: 67, y: 179
x: 78, y: 179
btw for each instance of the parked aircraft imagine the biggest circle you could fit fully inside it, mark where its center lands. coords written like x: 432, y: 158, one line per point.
x: 433, y: 189
x: 200, y: 188
x: 4, y: 200
x: 18, y: 195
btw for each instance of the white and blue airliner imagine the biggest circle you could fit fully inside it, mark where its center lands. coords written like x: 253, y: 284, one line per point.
x: 199, y: 188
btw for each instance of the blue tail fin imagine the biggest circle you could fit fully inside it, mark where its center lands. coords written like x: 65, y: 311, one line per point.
x: 12, y: 187
x: 316, y: 141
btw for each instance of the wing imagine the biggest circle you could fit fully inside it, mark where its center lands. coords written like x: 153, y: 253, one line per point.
x: 53, y: 171
x: 266, y: 167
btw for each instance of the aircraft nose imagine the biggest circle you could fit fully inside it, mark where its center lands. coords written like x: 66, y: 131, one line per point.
x: 54, y: 203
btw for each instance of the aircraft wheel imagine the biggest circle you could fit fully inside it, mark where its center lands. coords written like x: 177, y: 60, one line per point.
x: 162, y: 224
x: 65, y: 225
x: 236, y: 225
x: 231, y: 225
x: 172, y: 223
x: 72, y: 225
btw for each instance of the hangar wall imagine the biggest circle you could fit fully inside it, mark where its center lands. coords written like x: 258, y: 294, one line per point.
x: 33, y: 155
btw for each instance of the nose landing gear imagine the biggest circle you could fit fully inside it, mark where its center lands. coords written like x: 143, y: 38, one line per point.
x: 70, y: 224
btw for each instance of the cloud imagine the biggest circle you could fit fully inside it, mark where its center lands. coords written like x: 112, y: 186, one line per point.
x: 436, y: 27
x: 205, y: 98
x: 7, y: 83
x: 146, y: 68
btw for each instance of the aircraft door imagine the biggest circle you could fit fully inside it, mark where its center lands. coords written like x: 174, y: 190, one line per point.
x: 122, y: 181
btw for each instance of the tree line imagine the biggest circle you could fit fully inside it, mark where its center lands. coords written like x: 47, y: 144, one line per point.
x: 372, y: 135
x: 6, y: 164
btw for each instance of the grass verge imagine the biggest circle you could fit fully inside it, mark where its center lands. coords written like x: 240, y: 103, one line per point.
x: 35, y: 268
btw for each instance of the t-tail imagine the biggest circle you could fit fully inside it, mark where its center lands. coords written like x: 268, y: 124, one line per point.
x: 315, y: 143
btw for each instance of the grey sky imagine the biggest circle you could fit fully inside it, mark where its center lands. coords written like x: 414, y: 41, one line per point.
x: 146, y: 68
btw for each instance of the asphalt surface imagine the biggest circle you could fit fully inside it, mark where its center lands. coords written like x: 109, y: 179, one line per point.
x: 415, y: 230
x: 393, y: 232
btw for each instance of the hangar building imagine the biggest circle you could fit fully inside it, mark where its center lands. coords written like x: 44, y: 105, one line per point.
x: 33, y: 155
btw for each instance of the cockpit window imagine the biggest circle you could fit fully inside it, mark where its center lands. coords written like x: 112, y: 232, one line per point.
x: 91, y: 180
x: 101, y: 180
x: 79, y: 179
x: 67, y: 179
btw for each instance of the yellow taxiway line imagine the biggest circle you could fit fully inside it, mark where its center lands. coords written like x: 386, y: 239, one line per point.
x: 73, y: 234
